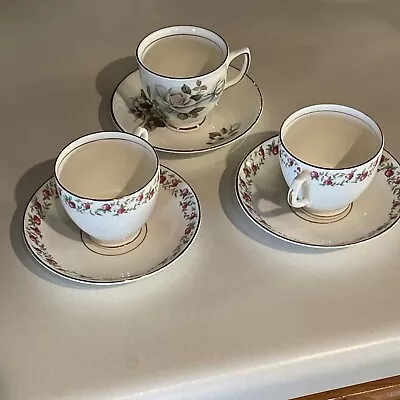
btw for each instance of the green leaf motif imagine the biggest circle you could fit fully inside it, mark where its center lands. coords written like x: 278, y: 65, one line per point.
x: 182, y: 116
x: 213, y: 135
x: 196, y: 97
x: 186, y: 89
x: 148, y: 91
x: 197, y: 110
x: 198, y: 82
x: 204, y: 87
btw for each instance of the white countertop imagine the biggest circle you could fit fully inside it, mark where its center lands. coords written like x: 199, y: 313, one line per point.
x: 241, y: 315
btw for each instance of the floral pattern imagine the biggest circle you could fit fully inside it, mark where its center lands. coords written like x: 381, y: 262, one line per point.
x: 143, y: 109
x: 327, y: 178
x: 270, y: 148
x: 35, y: 215
x: 150, y: 118
x: 249, y: 169
x: 185, y: 102
x: 48, y: 194
x: 223, y: 134
x: 114, y: 207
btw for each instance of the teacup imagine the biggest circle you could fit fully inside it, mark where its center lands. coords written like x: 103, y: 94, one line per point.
x: 108, y: 184
x: 183, y: 71
x: 329, y: 155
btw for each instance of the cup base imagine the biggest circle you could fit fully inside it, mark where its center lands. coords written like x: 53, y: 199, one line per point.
x: 185, y: 129
x: 114, y: 248
x: 323, y: 218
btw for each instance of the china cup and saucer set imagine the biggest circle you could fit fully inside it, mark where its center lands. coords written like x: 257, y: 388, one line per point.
x: 113, y: 214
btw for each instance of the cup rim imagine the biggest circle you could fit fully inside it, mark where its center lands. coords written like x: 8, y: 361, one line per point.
x: 165, y: 28
x: 99, y: 133
x: 339, y: 109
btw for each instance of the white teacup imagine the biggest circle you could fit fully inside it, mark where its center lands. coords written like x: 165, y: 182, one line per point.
x: 329, y: 155
x: 108, y: 184
x: 183, y: 70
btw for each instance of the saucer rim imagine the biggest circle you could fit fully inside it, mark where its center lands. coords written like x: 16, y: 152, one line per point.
x: 114, y: 282
x: 293, y: 241
x: 202, y: 149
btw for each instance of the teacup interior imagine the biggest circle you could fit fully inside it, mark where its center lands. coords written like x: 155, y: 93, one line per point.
x: 183, y: 56
x: 331, y: 139
x: 107, y: 168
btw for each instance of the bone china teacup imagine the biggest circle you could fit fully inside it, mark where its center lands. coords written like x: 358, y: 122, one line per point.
x: 108, y: 184
x: 183, y: 71
x: 329, y: 155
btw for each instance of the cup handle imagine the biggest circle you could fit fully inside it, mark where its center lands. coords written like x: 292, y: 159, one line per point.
x: 245, y: 67
x: 141, y: 132
x: 293, y: 193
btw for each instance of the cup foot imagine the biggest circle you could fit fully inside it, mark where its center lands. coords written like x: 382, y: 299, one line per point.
x: 322, y: 218
x: 114, y: 248
x: 185, y: 129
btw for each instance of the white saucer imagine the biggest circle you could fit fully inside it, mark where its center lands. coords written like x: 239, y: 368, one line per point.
x: 55, y: 241
x: 238, y: 111
x: 261, y: 191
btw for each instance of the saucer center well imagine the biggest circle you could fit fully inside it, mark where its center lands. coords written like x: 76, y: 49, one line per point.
x: 114, y: 250
x: 321, y: 219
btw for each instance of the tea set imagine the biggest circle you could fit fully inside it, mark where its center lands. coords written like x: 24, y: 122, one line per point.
x: 112, y: 214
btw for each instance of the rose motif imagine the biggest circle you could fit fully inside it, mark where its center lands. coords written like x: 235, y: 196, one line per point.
x: 363, y: 175
x: 247, y: 197
x: 86, y: 206
x: 314, y: 175
x: 275, y: 150
x: 162, y: 179
x: 121, y: 210
x: 178, y: 99
x: 174, y: 98
x: 140, y: 197
x: 389, y: 173
x: 350, y: 175
x: 106, y: 207
x: 37, y: 220
x: 184, y: 192
x: 188, y: 230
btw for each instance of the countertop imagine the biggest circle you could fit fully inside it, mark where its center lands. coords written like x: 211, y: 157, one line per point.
x: 241, y: 315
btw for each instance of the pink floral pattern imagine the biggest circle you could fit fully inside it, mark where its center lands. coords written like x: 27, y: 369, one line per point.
x: 113, y: 207
x: 46, y: 197
x: 249, y: 169
x: 190, y: 210
x: 326, y: 178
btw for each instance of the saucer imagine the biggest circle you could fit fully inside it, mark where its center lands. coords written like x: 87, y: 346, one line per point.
x: 56, y: 242
x: 238, y: 111
x: 262, y: 191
